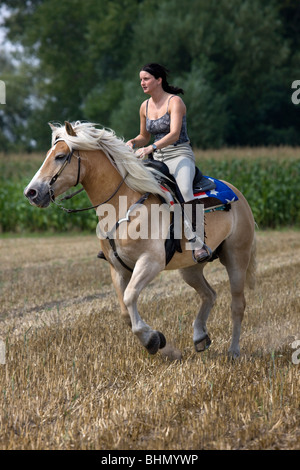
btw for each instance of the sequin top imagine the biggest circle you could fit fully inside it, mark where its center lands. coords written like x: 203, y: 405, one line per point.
x: 161, y: 126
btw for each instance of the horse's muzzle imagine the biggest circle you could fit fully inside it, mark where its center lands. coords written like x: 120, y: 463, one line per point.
x: 38, y: 195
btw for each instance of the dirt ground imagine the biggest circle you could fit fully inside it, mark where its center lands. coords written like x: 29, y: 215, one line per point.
x: 75, y: 376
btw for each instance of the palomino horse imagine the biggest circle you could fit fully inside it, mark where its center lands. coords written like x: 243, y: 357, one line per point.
x: 109, y: 172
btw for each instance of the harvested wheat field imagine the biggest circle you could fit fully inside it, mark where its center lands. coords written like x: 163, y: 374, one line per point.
x: 75, y: 377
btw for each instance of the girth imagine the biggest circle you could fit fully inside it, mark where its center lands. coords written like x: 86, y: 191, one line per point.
x: 109, y: 235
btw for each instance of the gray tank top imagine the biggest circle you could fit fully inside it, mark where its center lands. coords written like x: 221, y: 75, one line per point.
x: 161, y: 126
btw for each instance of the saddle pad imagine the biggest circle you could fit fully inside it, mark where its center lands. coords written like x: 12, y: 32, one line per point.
x: 222, y: 194
x: 219, y: 196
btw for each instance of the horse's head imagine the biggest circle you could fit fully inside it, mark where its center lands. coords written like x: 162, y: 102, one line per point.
x: 58, y: 173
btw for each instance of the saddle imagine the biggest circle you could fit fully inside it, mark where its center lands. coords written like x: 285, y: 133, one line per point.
x: 164, y: 177
x: 214, y: 195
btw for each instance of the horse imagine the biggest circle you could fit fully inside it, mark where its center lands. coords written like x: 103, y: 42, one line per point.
x: 109, y: 172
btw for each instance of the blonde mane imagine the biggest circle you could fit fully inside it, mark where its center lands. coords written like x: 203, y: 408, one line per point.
x: 88, y: 137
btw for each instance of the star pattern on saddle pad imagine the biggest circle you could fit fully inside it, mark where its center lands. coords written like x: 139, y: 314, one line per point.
x: 222, y: 192
x: 213, y: 192
x: 231, y: 200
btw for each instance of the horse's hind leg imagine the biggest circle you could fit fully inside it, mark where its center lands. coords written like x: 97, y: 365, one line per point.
x: 236, y: 268
x: 194, y: 277
x: 238, y: 305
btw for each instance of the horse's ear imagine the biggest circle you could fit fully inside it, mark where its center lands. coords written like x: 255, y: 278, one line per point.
x: 69, y: 128
x: 53, y: 128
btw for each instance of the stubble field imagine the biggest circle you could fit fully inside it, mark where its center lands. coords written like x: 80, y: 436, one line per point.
x: 75, y: 377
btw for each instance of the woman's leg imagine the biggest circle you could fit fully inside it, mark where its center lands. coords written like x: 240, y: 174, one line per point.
x: 183, y: 170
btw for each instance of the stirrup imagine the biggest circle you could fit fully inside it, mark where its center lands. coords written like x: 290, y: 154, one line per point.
x: 204, y: 256
x: 101, y: 255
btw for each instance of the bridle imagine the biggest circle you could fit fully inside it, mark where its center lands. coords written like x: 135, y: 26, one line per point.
x: 57, y: 175
x: 68, y: 160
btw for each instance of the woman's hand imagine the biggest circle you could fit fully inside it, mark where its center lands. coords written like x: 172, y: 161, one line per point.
x: 131, y: 143
x: 142, y: 152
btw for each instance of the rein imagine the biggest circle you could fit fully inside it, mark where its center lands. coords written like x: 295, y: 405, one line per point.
x: 72, y: 211
x: 56, y: 176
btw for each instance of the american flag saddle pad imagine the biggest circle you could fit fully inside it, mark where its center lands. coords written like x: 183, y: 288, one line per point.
x: 218, y: 196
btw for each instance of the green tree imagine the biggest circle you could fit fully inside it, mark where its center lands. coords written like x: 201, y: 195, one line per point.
x: 232, y: 60
x: 248, y: 57
x: 110, y: 36
x: 52, y: 35
x: 14, y: 114
x: 80, y: 48
x: 236, y: 60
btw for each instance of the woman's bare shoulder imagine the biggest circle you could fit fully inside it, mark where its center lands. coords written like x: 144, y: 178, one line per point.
x: 176, y: 104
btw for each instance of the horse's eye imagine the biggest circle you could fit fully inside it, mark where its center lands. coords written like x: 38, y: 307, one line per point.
x: 61, y: 156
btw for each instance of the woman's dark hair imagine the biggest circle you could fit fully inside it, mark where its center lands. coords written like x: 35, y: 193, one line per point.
x: 159, y: 71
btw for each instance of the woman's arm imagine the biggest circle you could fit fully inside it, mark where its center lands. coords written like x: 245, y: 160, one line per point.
x: 143, y: 137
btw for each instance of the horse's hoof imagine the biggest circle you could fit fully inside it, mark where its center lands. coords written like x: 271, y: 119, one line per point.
x: 233, y: 354
x: 162, y: 339
x: 202, y: 344
x: 156, y: 342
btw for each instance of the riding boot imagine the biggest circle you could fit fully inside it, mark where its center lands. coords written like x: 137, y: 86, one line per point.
x: 201, y: 251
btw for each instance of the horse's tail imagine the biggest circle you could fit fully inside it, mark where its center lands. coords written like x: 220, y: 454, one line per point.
x: 251, y: 270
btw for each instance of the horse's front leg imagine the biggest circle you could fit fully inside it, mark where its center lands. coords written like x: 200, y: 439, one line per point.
x: 144, y: 272
x: 120, y: 281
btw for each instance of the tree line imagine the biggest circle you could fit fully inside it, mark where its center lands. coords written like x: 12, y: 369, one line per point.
x: 235, y: 59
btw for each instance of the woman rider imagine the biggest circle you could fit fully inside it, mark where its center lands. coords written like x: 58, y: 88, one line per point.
x: 164, y: 116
